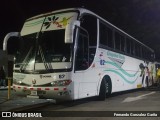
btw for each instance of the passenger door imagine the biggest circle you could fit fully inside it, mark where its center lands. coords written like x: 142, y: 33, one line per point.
x: 84, y: 56
x: 81, y: 62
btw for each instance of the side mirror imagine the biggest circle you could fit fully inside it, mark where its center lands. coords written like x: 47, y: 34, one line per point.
x: 9, y: 35
x: 70, y: 30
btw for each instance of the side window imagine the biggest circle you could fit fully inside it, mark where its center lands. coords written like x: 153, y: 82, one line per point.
x: 106, y: 35
x: 138, y: 50
x: 123, y: 44
x: 130, y: 46
x: 144, y: 52
x: 89, y: 23
x: 147, y: 54
x: 119, y: 42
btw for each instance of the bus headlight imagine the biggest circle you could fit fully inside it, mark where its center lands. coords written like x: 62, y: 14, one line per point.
x: 61, y: 82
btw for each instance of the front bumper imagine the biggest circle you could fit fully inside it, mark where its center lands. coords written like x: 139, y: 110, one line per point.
x: 58, y: 93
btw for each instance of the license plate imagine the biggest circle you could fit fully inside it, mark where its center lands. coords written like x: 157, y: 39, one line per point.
x: 33, y: 92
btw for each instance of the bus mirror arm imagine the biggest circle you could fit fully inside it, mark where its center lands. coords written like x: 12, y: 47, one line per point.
x: 9, y: 35
x: 70, y: 31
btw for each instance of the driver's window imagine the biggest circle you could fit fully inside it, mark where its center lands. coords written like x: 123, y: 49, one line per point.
x: 89, y: 23
x: 87, y: 42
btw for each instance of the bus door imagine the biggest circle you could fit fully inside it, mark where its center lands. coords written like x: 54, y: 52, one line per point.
x: 83, y: 84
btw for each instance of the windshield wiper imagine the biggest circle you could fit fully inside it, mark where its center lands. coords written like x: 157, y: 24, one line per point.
x: 49, y: 66
x: 25, y: 61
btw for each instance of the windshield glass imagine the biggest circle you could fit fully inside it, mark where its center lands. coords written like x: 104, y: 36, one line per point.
x: 42, y: 44
x: 26, y: 50
x: 44, y: 52
x: 52, y: 47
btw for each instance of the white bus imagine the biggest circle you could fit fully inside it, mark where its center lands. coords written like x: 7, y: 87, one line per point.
x: 74, y: 53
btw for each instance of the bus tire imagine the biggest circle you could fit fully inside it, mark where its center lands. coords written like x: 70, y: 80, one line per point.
x: 108, y: 87
x: 102, y: 91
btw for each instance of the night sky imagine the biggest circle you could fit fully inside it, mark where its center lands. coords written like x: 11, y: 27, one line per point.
x: 139, y: 18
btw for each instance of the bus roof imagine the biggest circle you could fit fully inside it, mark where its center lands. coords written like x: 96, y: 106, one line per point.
x: 83, y: 10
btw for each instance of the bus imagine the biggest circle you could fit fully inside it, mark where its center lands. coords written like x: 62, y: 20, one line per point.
x: 157, y: 76
x: 73, y: 53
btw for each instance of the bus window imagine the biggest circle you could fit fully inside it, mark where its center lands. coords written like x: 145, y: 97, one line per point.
x: 82, y: 56
x: 89, y: 23
x: 106, y: 37
x: 138, y: 50
x: 119, y: 42
x: 122, y: 43
x: 130, y: 46
x: 147, y: 54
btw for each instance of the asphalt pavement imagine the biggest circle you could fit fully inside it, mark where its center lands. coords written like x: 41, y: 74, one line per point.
x: 18, y: 103
x: 142, y: 100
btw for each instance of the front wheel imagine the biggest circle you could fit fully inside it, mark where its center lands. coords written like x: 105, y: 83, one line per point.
x: 102, y: 92
x: 105, y: 89
x: 108, y: 88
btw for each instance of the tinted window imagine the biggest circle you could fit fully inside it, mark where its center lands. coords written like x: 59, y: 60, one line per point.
x: 106, y: 35
x: 89, y: 23
x: 138, y: 50
x: 119, y: 42
x: 130, y: 46
x: 82, y: 57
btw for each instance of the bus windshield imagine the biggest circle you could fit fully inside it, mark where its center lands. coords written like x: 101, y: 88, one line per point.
x: 53, y: 48
x: 42, y: 44
x: 44, y: 51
